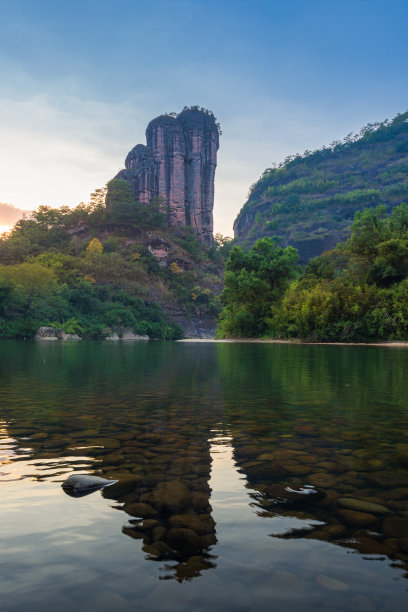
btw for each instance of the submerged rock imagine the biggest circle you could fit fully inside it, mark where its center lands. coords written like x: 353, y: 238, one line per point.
x: 186, y: 541
x: 357, y: 519
x: 282, y: 494
x: 395, y: 527
x: 140, y: 509
x: 171, y: 496
x: 79, y: 485
x: 362, y: 506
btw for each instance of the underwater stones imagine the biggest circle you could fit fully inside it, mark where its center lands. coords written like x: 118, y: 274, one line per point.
x: 266, y: 457
x: 163, y: 548
x: 388, y: 480
x: 183, y: 540
x: 330, y: 466
x: 403, y: 544
x: 140, y: 509
x: 264, y: 471
x: 395, y: 527
x: 151, y: 549
x: 247, y: 452
x: 335, y: 530
x: 173, y: 495
x: 207, y: 540
x: 398, y: 493
x: 321, y: 479
x: 115, y: 458
x: 192, y: 567
x: 159, y: 533
x: 331, y: 497
x: 282, y: 494
x: 295, y: 469
x: 105, y: 443
x: 200, y: 501
x: 126, y: 483
x: 369, y: 546
x: 200, y: 524
x: 134, y: 533
x: 402, y: 458
x: 39, y: 436
x: 357, y: 519
x: 362, y: 506
x: 305, y: 430
x: 145, y: 525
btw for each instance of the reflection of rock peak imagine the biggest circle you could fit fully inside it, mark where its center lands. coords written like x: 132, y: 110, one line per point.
x: 178, y: 165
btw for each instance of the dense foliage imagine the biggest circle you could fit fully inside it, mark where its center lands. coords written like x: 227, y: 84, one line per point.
x: 309, y: 200
x: 356, y: 292
x: 92, y: 270
x: 253, y: 282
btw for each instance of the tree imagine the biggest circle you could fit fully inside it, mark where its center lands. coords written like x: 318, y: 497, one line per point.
x: 254, y: 281
x: 94, y: 249
x: 368, y: 230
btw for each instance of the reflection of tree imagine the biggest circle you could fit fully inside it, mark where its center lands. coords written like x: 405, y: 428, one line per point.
x: 316, y: 440
x: 129, y: 410
x: 144, y: 414
x: 163, y: 466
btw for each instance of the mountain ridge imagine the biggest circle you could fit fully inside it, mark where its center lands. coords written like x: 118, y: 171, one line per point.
x: 309, y: 201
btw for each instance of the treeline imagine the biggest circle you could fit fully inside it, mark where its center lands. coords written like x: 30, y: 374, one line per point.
x: 308, y: 199
x: 89, y: 271
x: 356, y: 292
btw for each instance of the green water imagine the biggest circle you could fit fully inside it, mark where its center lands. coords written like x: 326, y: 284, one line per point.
x: 249, y: 476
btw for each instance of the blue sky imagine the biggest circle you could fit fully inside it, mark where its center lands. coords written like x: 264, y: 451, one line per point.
x: 80, y: 80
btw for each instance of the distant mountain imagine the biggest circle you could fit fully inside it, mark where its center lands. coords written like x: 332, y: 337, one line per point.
x: 309, y: 200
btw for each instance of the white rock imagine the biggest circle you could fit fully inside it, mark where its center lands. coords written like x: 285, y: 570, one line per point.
x: 82, y: 482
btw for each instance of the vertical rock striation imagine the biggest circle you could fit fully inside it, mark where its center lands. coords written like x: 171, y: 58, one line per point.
x: 178, y: 165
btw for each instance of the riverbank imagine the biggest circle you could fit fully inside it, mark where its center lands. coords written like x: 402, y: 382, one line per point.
x: 295, y: 341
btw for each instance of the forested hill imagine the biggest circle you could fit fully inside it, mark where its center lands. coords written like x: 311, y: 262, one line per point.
x: 309, y: 200
x: 111, y: 266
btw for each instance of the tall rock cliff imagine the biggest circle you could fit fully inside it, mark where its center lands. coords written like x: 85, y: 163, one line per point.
x: 178, y: 165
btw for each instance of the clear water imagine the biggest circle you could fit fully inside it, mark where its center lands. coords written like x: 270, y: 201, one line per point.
x: 208, y: 443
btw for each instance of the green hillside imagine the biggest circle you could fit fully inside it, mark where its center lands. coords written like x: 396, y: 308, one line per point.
x: 309, y: 200
x: 357, y: 292
x: 107, y: 267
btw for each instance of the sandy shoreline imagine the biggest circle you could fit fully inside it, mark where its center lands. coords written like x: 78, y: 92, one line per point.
x: 297, y: 342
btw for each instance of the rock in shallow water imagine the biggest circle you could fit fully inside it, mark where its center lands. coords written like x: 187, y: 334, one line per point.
x: 357, y: 519
x: 171, y: 496
x: 282, y: 494
x: 79, y: 485
x: 362, y: 506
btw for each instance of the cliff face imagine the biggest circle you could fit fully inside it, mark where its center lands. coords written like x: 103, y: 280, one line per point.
x: 178, y: 165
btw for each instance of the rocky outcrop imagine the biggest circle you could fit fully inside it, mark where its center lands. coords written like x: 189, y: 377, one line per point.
x: 125, y: 334
x: 178, y: 166
x: 49, y: 333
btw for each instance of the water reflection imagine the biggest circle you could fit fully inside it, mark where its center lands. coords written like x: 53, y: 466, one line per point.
x: 318, y: 436
x: 330, y: 452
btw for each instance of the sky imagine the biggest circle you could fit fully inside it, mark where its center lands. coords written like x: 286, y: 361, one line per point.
x: 80, y: 80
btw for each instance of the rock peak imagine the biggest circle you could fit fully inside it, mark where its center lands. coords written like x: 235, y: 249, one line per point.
x: 178, y: 165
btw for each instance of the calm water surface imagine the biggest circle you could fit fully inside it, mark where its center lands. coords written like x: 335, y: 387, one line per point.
x: 249, y: 476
